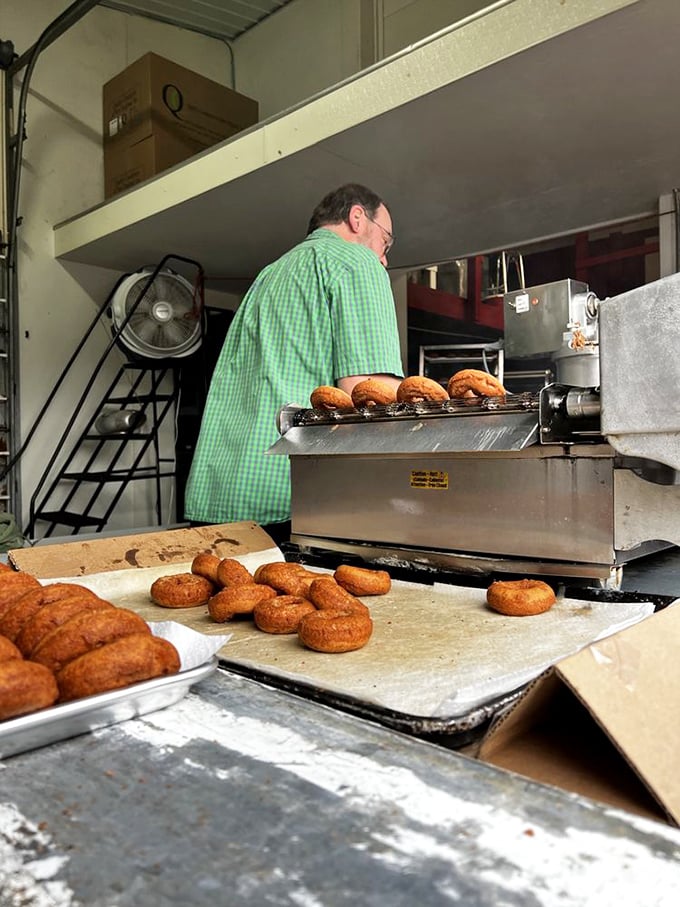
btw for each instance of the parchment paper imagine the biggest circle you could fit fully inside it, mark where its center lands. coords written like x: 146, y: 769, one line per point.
x: 436, y: 651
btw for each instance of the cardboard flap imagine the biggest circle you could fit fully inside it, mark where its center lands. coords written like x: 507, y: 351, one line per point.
x: 630, y: 683
x: 148, y: 549
x: 602, y: 722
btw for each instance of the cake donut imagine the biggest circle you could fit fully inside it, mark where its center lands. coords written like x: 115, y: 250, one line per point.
x: 328, y: 595
x: 282, y: 575
x: 206, y: 565
x: 281, y: 614
x: 362, y: 580
x: 418, y: 389
x: 117, y: 664
x: 9, y: 651
x: 329, y: 398
x: 335, y: 631
x: 520, y: 598
x: 233, y: 600
x: 25, y: 607
x: 25, y: 687
x: 84, y: 632
x: 54, y: 615
x: 231, y: 572
x: 181, y: 590
x: 476, y: 383
x: 373, y: 392
x: 13, y: 585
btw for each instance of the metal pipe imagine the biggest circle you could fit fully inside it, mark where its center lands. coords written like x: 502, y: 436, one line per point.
x: 55, y: 29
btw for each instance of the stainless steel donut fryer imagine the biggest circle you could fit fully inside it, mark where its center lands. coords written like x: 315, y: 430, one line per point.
x: 574, y: 480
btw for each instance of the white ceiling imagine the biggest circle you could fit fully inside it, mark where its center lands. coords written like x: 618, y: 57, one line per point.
x: 225, y: 19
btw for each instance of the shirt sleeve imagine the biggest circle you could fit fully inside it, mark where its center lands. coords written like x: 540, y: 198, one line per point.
x: 364, y: 320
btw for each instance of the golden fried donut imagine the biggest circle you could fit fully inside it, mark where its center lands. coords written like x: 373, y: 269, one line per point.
x: 86, y: 631
x: 329, y: 397
x: 128, y: 660
x: 373, y: 392
x: 25, y: 687
x: 231, y: 572
x: 13, y: 585
x: 335, y: 631
x: 206, y: 565
x: 8, y: 650
x: 281, y: 614
x: 53, y: 615
x: 23, y: 609
x: 362, y: 581
x: 418, y: 389
x: 520, y: 598
x: 474, y: 382
x: 181, y: 590
x: 327, y: 595
x: 281, y: 575
x: 234, y: 600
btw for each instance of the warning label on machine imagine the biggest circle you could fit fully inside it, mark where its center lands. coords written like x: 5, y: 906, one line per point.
x: 429, y: 478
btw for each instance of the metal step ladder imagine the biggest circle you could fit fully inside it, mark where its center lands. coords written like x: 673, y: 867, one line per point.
x: 122, y: 432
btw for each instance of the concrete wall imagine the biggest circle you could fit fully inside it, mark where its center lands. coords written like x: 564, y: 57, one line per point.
x: 304, y: 48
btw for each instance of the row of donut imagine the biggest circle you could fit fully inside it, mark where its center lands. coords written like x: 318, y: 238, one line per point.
x: 281, y: 597
x: 60, y: 642
x: 468, y: 383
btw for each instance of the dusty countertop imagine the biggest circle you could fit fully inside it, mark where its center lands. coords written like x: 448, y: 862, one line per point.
x: 241, y: 794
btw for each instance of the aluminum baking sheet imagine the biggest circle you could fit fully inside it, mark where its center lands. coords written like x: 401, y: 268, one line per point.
x: 436, y: 650
x: 28, y: 732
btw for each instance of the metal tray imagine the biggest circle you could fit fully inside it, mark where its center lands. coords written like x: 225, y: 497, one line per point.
x: 28, y: 732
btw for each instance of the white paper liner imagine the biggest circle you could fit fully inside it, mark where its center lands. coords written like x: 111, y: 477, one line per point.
x: 436, y: 651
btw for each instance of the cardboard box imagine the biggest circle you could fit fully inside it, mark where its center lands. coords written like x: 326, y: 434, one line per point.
x: 181, y: 111
x: 148, y: 549
x: 603, y: 723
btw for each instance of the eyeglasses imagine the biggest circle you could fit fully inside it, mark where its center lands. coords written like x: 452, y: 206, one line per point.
x: 389, y: 237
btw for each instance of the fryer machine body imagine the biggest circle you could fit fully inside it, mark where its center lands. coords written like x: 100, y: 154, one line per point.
x: 523, y: 506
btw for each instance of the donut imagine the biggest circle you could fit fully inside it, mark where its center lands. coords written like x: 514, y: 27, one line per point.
x: 472, y: 382
x: 231, y: 572
x: 233, y: 600
x: 327, y: 595
x: 8, y: 650
x: 283, y: 576
x: 362, y: 581
x: 181, y: 590
x: 520, y: 598
x: 53, y: 615
x: 281, y: 614
x: 206, y: 565
x: 13, y: 585
x: 25, y: 687
x: 335, y: 631
x: 23, y: 609
x: 84, y: 632
x: 117, y: 664
x: 373, y: 392
x: 418, y: 389
x: 328, y: 397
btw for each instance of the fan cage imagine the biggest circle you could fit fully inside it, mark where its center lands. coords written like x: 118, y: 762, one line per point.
x: 161, y: 323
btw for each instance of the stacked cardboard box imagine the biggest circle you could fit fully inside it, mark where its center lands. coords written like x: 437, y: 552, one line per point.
x: 157, y: 114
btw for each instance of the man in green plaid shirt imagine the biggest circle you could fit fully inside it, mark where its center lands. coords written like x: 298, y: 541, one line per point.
x: 322, y: 314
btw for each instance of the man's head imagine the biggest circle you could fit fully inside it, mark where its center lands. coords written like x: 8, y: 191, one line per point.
x: 358, y: 215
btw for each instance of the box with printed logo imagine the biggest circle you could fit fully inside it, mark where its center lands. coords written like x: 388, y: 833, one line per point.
x: 157, y: 113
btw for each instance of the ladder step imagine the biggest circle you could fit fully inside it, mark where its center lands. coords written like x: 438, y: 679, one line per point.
x: 63, y: 517
x: 138, y: 398
x: 118, y: 436
x: 118, y: 475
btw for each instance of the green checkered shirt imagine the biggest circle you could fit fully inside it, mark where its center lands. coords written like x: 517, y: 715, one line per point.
x: 323, y: 311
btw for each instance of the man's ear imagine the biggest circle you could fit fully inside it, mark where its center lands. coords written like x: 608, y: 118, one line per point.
x: 354, y: 219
